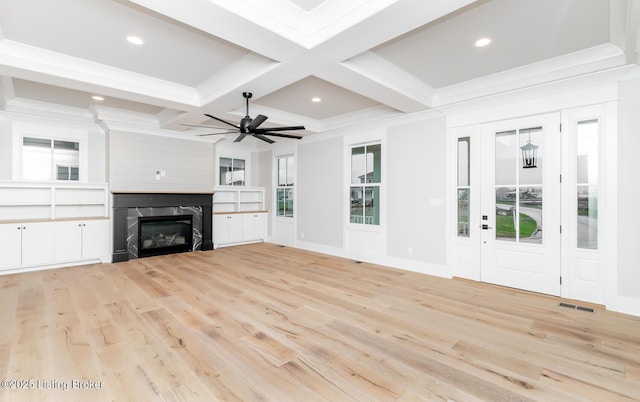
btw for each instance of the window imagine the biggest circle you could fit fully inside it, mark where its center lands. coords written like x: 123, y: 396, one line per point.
x: 365, y: 184
x: 47, y: 159
x: 463, y: 186
x: 232, y: 172
x: 587, y: 184
x: 518, y: 180
x: 284, y: 189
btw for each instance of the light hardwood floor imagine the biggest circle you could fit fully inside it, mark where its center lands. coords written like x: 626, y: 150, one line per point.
x: 263, y: 322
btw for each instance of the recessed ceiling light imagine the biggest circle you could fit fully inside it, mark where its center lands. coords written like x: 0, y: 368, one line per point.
x: 316, y: 99
x: 482, y: 42
x: 97, y: 98
x: 135, y: 40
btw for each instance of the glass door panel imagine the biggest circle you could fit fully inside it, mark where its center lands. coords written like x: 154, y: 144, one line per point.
x: 518, y: 180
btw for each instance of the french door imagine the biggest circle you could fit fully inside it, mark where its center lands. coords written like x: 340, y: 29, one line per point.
x: 520, y: 203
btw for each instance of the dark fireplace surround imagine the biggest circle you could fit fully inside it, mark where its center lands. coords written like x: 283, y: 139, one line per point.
x: 130, y: 208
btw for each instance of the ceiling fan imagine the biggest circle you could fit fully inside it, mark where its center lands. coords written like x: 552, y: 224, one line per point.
x: 249, y: 126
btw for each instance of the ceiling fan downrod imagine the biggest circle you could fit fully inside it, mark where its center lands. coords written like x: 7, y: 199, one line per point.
x: 247, y: 96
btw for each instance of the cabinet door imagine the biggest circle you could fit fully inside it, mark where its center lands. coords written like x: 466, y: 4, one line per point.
x: 10, y: 245
x: 67, y: 241
x: 235, y: 228
x: 95, y: 239
x: 37, y: 243
x: 227, y: 228
x: 255, y: 226
x: 220, y: 229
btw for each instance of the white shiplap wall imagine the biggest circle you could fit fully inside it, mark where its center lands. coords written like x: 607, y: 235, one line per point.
x: 135, y: 159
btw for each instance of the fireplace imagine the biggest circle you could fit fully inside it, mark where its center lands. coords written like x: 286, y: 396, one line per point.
x: 129, y: 208
x: 159, y: 235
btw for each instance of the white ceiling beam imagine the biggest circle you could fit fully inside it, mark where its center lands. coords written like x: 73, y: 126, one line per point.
x: 40, y: 65
x: 408, y: 93
x: 385, y: 83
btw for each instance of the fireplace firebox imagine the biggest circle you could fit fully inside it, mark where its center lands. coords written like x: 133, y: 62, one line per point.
x: 159, y: 235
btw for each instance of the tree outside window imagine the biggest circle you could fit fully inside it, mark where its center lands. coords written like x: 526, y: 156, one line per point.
x: 284, y: 189
x: 365, y: 184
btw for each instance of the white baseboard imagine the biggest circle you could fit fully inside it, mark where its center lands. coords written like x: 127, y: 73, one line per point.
x: 626, y: 305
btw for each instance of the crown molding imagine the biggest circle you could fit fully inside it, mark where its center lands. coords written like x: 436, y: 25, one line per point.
x: 48, y: 110
x: 598, y: 58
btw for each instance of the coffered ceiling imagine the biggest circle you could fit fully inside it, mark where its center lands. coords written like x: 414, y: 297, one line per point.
x: 365, y: 59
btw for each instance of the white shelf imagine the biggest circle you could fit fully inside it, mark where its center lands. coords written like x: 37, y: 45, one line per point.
x: 49, y: 201
x: 238, y: 199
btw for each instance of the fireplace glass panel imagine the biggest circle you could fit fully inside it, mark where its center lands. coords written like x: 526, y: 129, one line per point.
x: 164, y: 234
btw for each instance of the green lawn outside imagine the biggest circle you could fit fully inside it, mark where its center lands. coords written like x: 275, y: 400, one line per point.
x: 505, y: 227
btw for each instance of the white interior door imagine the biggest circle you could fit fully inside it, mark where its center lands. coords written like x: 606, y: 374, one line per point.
x: 520, y: 203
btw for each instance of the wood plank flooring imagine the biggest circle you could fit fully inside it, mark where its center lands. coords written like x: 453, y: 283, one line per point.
x: 268, y: 323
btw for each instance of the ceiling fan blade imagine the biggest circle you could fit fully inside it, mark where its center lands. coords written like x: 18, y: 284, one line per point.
x: 198, y: 125
x: 290, y: 128
x: 222, y: 121
x: 256, y: 122
x: 297, y: 137
x: 224, y: 132
x: 240, y: 137
x: 263, y: 138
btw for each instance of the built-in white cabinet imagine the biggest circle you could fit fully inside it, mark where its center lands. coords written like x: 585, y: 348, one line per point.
x: 95, y: 239
x: 49, y: 224
x: 25, y: 244
x: 234, y: 228
x: 239, y: 215
x: 81, y: 240
x: 37, y: 243
x: 55, y: 242
x: 11, y: 245
x: 254, y: 226
x: 227, y: 228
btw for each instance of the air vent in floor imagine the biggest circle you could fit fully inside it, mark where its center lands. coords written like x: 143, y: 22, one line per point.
x: 575, y: 307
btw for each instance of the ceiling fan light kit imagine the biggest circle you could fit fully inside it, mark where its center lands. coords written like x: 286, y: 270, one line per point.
x: 249, y: 126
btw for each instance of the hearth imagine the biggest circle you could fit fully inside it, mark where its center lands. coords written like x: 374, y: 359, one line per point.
x: 159, y: 235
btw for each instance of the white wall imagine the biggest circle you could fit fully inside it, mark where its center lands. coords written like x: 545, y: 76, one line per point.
x: 5, y: 149
x: 319, y: 190
x: 629, y: 189
x: 263, y: 170
x: 416, y: 190
x: 135, y: 159
x: 97, y: 164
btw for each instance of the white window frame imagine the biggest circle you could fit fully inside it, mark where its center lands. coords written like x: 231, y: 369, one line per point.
x: 244, y: 182
x: 52, y: 133
x: 279, y: 187
x: 350, y: 185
